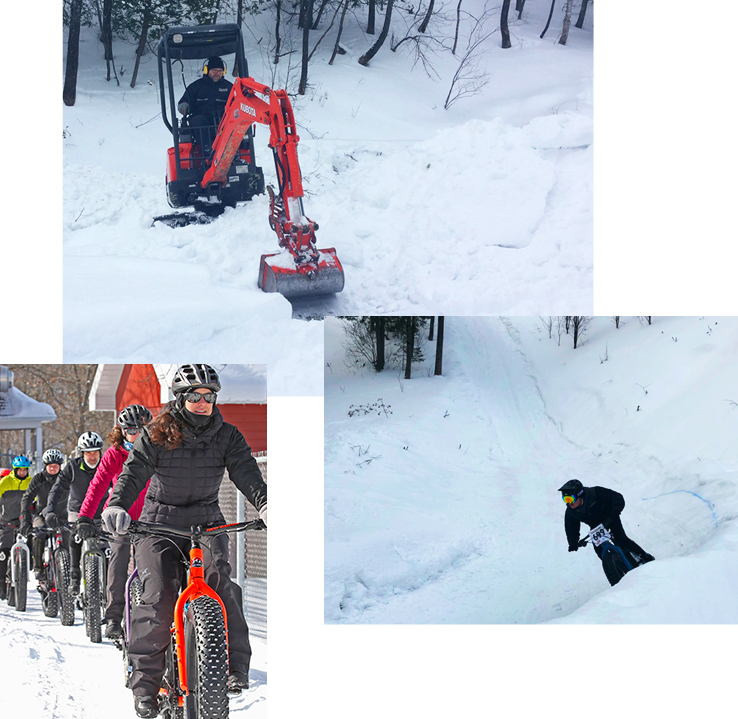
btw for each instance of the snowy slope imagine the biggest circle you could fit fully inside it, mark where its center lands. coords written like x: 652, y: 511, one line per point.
x: 446, y: 511
x: 54, y: 672
x: 483, y: 207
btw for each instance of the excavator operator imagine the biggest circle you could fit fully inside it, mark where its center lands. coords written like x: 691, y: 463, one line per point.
x: 204, y: 101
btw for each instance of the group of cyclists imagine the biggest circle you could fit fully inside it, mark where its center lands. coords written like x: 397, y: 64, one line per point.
x: 166, y: 469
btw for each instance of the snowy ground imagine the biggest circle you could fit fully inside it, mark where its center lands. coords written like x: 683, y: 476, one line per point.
x: 485, y: 207
x: 446, y: 511
x: 52, y: 671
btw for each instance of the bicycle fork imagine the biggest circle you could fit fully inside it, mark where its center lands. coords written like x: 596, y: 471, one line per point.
x: 196, y: 587
x: 17, y: 546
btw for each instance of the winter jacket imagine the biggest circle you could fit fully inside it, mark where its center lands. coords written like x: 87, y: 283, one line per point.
x: 185, y: 481
x: 107, y: 474
x: 599, y: 504
x: 35, y: 497
x: 206, y: 97
x: 11, y: 494
x: 75, y: 477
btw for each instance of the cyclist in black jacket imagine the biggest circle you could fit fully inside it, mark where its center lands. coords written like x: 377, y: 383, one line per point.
x: 184, y: 451
x: 34, y: 502
x: 594, y: 506
x: 75, y: 478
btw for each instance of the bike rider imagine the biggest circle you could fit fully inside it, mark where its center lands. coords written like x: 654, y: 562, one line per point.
x: 184, y: 451
x: 594, y: 506
x: 75, y: 478
x: 34, y: 502
x: 12, y: 487
x: 130, y: 422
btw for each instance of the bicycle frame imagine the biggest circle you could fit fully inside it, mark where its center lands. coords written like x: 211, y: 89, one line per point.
x: 609, y: 546
x: 196, y: 585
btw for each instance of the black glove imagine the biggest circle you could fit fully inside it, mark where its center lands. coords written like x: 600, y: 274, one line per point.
x: 582, y: 542
x: 574, y: 548
x: 25, y: 527
x: 51, y: 520
x: 85, y: 528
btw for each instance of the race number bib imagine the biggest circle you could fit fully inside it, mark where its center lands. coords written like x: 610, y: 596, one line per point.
x: 599, y: 535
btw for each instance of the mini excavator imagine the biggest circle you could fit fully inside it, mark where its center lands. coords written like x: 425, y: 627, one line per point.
x: 210, y: 179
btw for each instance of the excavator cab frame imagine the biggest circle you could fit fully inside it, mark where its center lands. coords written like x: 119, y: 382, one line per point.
x: 187, y: 160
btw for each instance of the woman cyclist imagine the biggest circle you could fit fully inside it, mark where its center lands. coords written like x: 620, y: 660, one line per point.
x: 184, y: 452
x: 12, y: 487
x: 130, y: 422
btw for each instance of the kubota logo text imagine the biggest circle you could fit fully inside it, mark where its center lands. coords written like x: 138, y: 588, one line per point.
x: 248, y: 110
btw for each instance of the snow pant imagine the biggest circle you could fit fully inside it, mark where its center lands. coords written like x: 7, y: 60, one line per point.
x: 120, y: 556
x: 7, y: 538
x: 37, y: 548
x: 621, y: 539
x: 75, y: 550
x: 160, y: 567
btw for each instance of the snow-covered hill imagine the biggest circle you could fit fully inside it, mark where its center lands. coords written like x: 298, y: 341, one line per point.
x: 446, y: 511
x: 485, y: 207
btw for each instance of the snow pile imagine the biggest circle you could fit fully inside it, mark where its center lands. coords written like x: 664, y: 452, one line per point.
x: 446, y: 510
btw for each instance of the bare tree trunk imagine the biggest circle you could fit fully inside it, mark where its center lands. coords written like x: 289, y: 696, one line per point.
x: 239, y: 13
x: 439, y: 347
x: 617, y: 323
x: 337, y: 46
x: 320, y: 14
x: 107, y: 37
x: 307, y: 16
x: 504, y: 29
x: 550, y: 15
x: 371, y: 18
x: 409, y: 347
x: 424, y: 25
x: 519, y: 5
x: 582, y: 13
x: 456, y: 31
x: 430, y: 333
x: 141, y: 44
x: 380, y: 343
x: 567, y: 22
x: 278, y: 41
x: 374, y: 49
x: 70, y: 74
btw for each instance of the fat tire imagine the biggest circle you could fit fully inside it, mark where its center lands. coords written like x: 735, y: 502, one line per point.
x: 614, y: 566
x: 50, y: 602
x: 93, y: 599
x: 62, y: 575
x: 135, y: 590
x: 206, y: 657
x: 21, y: 584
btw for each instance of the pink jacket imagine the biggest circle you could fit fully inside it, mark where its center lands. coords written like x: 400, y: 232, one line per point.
x: 106, y: 476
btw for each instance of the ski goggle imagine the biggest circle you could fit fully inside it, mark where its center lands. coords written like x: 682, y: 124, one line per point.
x: 195, y: 397
x: 569, y: 499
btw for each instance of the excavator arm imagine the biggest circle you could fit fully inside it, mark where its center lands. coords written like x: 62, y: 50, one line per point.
x: 308, y: 270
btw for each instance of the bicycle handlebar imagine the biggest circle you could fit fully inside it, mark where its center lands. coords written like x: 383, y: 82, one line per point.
x: 195, y: 531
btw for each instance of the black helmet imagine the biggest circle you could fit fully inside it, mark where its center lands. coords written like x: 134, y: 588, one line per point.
x: 52, y: 456
x: 572, y: 487
x: 194, y: 376
x: 90, y: 442
x: 134, y: 416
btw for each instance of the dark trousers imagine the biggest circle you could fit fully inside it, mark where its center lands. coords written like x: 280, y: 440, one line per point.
x: 160, y: 567
x: 120, y: 556
x: 203, y: 129
x: 621, y: 539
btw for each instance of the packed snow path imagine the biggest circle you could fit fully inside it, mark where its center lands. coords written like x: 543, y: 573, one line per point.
x: 55, y: 672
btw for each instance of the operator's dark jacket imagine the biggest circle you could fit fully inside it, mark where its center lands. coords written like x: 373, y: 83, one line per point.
x: 36, y: 496
x: 185, y: 481
x: 599, y: 504
x: 206, y: 97
x: 75, y: 478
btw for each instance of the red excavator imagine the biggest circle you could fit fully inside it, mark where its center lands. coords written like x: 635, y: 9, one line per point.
x: 212, y: 176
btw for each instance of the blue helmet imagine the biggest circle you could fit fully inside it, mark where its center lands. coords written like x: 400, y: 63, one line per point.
x: 21, y: 461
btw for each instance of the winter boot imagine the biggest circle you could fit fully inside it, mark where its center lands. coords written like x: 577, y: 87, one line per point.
x: 146, y: 707
x: 113, y: 630
x: 237, y: 682
x: 74, y: 585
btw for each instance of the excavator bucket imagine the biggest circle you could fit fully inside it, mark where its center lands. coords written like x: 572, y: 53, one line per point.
x: 280, y: 273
